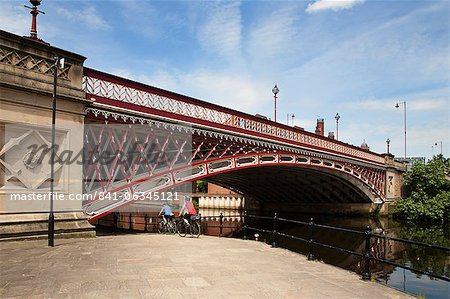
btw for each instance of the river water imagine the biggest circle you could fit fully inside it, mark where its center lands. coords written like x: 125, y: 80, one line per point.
x: 425, y: 259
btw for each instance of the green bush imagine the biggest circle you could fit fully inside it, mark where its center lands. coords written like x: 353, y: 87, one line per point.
x: 430, y: 192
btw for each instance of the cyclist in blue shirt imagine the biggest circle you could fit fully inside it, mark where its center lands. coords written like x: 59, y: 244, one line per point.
x: 167, y: 210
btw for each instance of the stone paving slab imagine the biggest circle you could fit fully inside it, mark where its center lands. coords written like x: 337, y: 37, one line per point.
x: 165, y: 266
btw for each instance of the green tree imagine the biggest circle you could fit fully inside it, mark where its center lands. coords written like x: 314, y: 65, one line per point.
x: 430, y: 192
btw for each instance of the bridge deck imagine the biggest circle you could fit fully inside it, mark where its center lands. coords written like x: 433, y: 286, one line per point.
x: 162, y: 266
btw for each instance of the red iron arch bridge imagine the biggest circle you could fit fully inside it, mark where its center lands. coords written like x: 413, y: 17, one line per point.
x: 171, y: 139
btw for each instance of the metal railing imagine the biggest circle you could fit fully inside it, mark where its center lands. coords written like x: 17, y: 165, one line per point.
x: 367, y: 234
x: 131, y: 223
x: 220, y: 219
x: 129, y: 220
x: 311, y: 240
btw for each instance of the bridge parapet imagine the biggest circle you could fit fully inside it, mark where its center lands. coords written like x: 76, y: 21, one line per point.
x: 115, y: 92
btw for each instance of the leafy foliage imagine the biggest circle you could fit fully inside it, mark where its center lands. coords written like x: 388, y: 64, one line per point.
x: 430, y: 192
x: 201, y: 187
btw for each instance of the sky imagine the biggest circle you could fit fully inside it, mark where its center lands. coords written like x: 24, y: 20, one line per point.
x: 353, y: 57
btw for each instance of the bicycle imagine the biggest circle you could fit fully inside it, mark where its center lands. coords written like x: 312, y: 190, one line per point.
x: 167, y: 226
x: 192, y: 226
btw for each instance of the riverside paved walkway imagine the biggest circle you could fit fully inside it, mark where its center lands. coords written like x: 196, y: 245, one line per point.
x: 164, y: 266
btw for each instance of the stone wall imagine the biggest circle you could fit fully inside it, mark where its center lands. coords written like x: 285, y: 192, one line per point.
x: 26, y: 98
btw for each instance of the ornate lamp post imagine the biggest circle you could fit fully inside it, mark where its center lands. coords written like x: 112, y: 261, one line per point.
x: 34, y: 12
x: 388, y: 141
x: 337, y: 117
x: 275, y: 91
x: 404, y: 119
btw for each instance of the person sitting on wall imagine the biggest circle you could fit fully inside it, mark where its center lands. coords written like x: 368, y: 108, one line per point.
x: 188, y: 210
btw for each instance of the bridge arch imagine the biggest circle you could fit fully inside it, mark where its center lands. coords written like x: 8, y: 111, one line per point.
x: 294, y: 184
x: 187, y: 154
x: 281, y: 176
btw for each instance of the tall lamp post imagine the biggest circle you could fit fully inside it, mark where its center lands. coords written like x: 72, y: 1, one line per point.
x: 436, y: 143
x: 51, y: 216
x: 292, y: 115
x: 404, y: 120
x: 337, y: 117
x: 275, y: 91
x: 388, y: 141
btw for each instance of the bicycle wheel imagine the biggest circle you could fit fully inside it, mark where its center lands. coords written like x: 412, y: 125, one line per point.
x: 195, y: 229
x: 181, y: 228
x: 161, y: 228
x: 172, y: 227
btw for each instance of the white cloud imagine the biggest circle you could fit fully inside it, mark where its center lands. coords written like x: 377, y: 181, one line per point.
x: 124, y: 73
x: 161, y: 79
x: 221, y: 32
x: 334, y: 5
x: 142, y: 18
x: 15, y: 19
x: 88, y: 15
x: 427, y: 104
x: 272, y: 35
x: 226, y: 88
x: 426, y: 101
x: 307, y: 124
x: 237, y: 91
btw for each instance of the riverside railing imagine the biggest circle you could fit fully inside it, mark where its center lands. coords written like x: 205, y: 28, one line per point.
x: 311, y: 241
x: 365, y: 254
x: 130, y: 220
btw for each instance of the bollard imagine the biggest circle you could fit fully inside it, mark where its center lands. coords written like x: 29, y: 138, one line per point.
x: 220, y: 224
x: 311, y: 256
x: 145, y: 222
x: 274, y: 231
x: 130, y: 225
x: 366, y: 272
x: 115, y: 221
x: 245, y: 225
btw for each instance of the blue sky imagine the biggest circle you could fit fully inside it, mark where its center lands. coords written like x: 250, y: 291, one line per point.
x: 358, y: 58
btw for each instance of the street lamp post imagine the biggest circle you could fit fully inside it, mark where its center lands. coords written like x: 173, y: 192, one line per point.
x: 275, y: 91
x: 388, y: 141
x: 404, y: 120
x: 436, y: 143
x: 51, y: 216
x: 292, y: 115
x: 337, y: 117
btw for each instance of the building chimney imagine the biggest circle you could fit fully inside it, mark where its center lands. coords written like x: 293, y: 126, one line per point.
x: 320, y: 127
x: 331, y: 135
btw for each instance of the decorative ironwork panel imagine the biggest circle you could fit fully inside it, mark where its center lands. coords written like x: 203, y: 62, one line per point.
x: 199, y: 111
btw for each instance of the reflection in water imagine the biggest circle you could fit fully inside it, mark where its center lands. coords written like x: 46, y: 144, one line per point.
x: 426, y: 259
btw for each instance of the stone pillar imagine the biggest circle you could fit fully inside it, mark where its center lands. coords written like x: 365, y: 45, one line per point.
x: 26, y: 96
x: 394, y: 178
